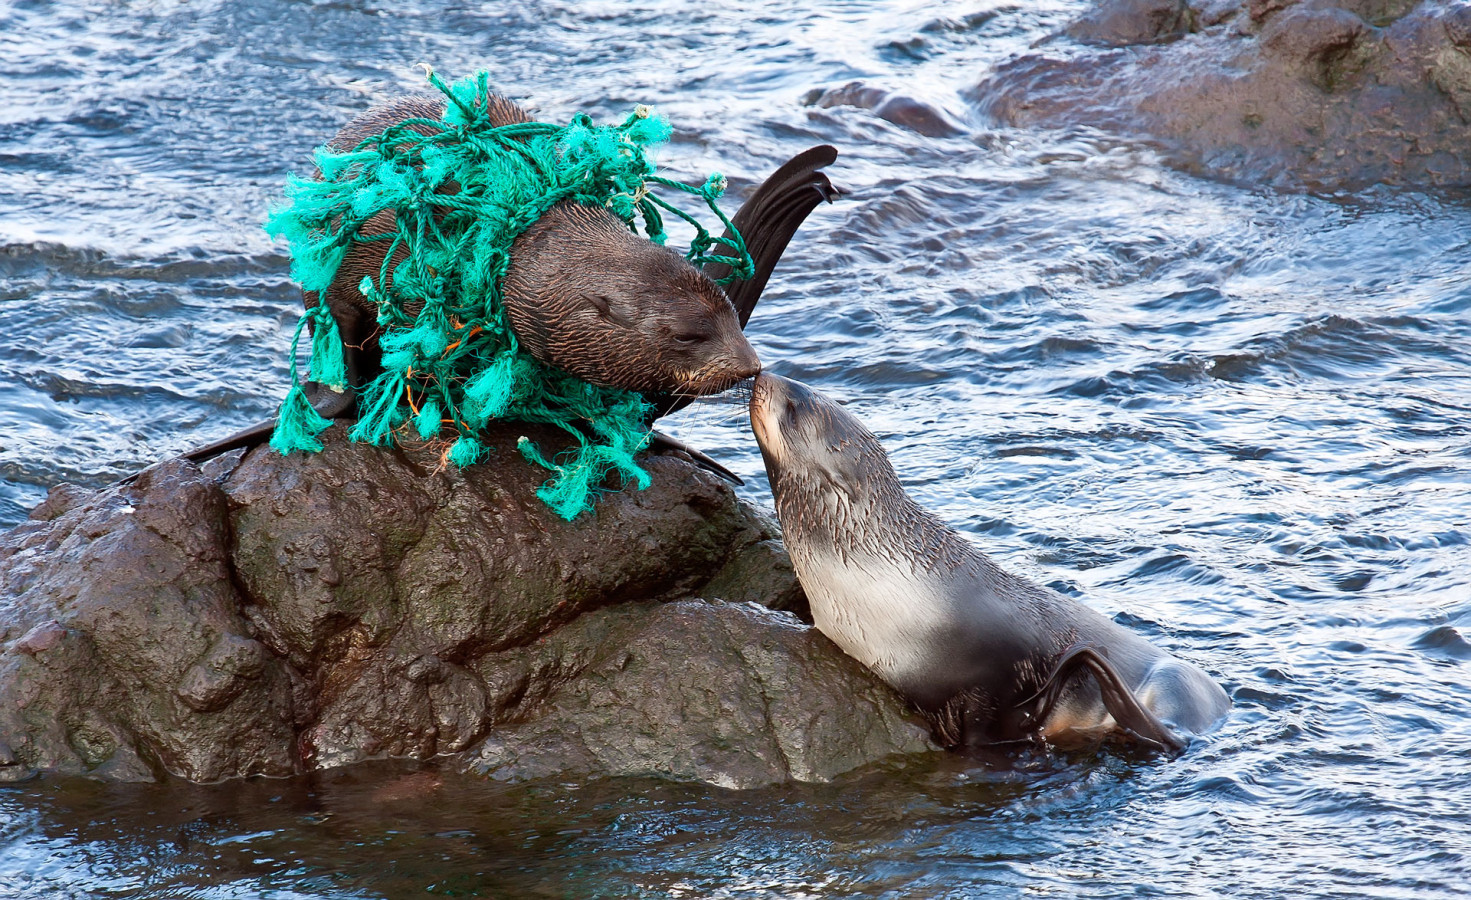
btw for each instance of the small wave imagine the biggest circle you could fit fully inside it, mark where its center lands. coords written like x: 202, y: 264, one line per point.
x: 1332, y: 347
x: 47, y: 259
x: 1445, y: 641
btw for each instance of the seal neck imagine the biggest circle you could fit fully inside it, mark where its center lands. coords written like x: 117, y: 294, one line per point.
x: 874, y: 519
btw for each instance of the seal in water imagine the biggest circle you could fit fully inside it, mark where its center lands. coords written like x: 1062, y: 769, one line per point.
x: 585, y: 294
x: 987, y: 656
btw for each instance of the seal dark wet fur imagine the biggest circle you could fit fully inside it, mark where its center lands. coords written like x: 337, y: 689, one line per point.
x: 989, y: 657
x: 585, y: 294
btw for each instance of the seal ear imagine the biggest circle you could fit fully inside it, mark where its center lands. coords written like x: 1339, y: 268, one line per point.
x: 838, y: 480
x: 604, y: 306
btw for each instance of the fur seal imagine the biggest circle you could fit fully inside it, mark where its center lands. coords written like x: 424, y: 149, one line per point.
x: 989, y: 657
x: 582, y: 293
x: 585, y: 294
x: 580, y: 283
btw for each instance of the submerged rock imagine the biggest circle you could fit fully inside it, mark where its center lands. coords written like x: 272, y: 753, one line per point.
x: 277, y: 614
x: 891, y: 106
x: 1323, y: 94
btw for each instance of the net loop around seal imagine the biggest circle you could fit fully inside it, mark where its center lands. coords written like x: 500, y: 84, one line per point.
x: 450, y: 360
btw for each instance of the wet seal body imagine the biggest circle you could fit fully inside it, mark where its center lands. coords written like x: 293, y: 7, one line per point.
x: 583, y: 293
x: 988, y: 657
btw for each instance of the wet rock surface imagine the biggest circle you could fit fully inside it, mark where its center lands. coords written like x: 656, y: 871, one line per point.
x: 729, y: 694
x: 272, y: 615
x: 1321, y: 94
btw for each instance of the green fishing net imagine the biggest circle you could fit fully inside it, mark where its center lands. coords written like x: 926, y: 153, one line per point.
x: 450, y: 360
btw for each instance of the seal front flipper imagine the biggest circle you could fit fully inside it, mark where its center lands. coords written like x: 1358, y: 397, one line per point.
x: 767, y: 223
x: 1132, y: 716
x: 769, y: 219
x: 661, y: 441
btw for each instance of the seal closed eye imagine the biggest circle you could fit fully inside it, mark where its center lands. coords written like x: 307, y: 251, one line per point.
x: 987, y: 656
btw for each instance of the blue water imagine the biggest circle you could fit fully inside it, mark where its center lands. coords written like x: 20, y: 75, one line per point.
x: 1238, y: 421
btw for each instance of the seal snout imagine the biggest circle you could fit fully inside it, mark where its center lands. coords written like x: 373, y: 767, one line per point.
x: 763, y: 395
x: 744, y: 363
x: 766, y: 390
x: 773, y: 402
x: 734, y: 358
x: 777, y: 395
x: 716, y: 364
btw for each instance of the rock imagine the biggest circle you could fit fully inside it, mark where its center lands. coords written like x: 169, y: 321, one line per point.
x: 1317, y: 94
x: 41, y: 638
x: 729, y: 694
x: 1306, y: 35
x: 117, y: 596
x: 900, y: 109
x: 271, y: 615
x: 1457, y: 23
x: 1258, y: 10
x: 1118, y: 23
x: 760, y: 572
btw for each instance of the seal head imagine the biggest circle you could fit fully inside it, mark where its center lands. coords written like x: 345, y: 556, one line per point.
x: 588, y: 296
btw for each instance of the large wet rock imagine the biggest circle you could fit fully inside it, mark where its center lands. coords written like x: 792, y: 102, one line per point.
x: 125, y: 651
x: 730, y: 694
x: 274, y: 615
x: 1324, y: 94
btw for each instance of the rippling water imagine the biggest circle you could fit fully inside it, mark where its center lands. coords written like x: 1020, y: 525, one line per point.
x: 1238, y: 421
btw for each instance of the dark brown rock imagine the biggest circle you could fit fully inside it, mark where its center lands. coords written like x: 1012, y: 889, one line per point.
x: 1321, y: 94
x: 120, y: 600
x: 274, y: 614
x: 729, y: 694
x: 1118, y: 23
x: 761, y: 572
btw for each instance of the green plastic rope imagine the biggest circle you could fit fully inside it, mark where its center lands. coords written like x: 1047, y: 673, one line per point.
x: 449, y: 356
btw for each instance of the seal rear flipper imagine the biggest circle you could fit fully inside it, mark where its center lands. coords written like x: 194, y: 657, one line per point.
x: 1132, y: 716
x: 328, y: 403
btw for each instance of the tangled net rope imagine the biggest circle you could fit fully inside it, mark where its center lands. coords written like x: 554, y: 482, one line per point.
x: 449, y: 356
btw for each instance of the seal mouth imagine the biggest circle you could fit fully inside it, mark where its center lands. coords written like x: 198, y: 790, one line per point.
x: 744, y: 390
x: 718, y: 376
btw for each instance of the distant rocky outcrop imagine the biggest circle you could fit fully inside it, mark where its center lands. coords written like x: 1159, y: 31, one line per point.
x: 275, y: 614
x: 1322, y: 94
